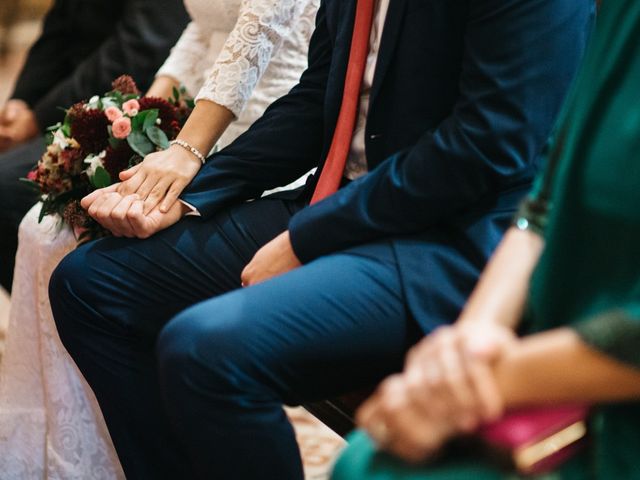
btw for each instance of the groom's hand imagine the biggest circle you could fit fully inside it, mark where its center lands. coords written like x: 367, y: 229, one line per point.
x: 124, y: 216
x: 275, y: 258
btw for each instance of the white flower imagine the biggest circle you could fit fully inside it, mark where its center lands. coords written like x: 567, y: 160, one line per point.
x: 60, y: 140
x: 93, y: 102
x: 94, y: 161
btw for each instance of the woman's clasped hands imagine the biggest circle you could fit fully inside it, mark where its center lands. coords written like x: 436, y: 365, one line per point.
x: 448, y: 388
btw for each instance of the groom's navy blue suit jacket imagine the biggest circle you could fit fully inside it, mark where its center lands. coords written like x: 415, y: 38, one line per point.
x: 464, y: 98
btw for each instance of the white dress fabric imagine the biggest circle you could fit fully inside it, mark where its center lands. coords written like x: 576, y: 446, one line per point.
x: 242, y: 54
x: 50, y: 423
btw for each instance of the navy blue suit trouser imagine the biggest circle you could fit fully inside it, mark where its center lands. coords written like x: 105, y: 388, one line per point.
x: 191, y: 371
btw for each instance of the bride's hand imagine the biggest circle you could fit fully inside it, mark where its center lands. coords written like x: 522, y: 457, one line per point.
x: 161, y: 177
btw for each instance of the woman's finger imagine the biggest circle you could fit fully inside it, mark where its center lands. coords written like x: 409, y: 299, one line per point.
x: 130, y: 172
x: 172, y: 196
x: 87, y: 201
x: 156, y: 194
x: 131, y: 186
x: 145, y: 189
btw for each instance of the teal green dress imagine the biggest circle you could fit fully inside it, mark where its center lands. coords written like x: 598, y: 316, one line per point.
x: 587, y: 206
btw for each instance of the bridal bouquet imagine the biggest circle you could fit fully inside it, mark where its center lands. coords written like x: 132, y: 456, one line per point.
x: 97, y: 140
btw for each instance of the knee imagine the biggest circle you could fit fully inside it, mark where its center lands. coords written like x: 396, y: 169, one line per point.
x: 205, y: 346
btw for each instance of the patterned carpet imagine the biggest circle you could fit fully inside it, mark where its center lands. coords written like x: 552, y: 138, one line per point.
x: 318, y: 444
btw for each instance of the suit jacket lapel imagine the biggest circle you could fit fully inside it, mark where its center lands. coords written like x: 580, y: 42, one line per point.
x: 390, y: 34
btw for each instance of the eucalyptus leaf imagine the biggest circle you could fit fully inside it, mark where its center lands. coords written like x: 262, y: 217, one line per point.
x: 137, y: 122
x: 150, y: 119
x: 158, y: 137
x: 114, y: 142
x: 101, y: 178
x: 140, y: 144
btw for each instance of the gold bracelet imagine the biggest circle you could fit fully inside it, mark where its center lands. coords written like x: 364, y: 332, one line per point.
x: 187, y: 146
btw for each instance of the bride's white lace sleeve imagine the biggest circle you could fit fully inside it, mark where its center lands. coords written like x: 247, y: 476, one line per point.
x: 185, y: 61
x: 258, y: 34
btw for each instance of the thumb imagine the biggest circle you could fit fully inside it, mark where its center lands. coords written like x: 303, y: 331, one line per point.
x: 486, y: 347
x: 127, y: 174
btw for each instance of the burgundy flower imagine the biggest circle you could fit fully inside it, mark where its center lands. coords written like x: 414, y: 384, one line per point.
x: 125, y: 85
x: 167, y: 113
x: 70, y: 161
x: 117, y: 159
x: 89, y: 128
x: 76, y: 216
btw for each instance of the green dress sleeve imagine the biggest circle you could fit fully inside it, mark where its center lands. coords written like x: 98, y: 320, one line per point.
x: 615, y: 333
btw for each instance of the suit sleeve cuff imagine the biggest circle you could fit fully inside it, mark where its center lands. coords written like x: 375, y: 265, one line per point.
x: 194, y: 211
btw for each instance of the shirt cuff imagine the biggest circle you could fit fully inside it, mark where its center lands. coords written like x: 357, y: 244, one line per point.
x: 194, y: 211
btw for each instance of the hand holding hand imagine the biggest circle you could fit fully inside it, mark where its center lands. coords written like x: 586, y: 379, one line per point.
x: 275, y: 258
x: 399, y: 425
x: 124, y: 215
x: 161, y: 177
x: 17, y: 124
x: 448, y: 388
x: 451, y: 372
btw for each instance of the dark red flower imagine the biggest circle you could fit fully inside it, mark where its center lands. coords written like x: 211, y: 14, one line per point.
x: 125, y: 85
x: 89, y: 128
x: 117, y: 159
x: 70, y: 160
x: 167, y: 113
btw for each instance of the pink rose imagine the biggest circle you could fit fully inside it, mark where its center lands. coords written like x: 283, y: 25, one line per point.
x: 121, y: 128
x: 113, y: 113
x: 131, y: 107
x: 32, y: 175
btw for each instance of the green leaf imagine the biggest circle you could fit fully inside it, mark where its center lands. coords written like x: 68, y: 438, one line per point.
x: 101, y: 178
x: 114, y: 142
x: 140, y: 144
x: 150, y: 119
x: 176, y: 95
x: 158, y: 137
x: 137, y: 122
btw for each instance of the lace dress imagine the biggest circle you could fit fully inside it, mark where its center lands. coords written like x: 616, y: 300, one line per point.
x: 240, y: 54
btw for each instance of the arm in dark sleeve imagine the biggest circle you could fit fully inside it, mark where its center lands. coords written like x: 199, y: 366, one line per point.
x: 615, y: 333
x: 520, y: 58
x: 140, y: 41
x: 40, y: 71
x: 281, y: 146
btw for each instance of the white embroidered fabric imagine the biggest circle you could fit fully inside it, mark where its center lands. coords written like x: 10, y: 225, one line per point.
x: 242, y: 54
x: 50, y: 423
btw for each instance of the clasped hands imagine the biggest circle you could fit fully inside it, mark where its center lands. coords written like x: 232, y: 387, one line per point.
x: 146, y: 202
x: 17, y: 124
x: 448, y: 388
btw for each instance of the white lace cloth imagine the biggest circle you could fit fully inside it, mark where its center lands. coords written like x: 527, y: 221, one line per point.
x: 50, y: 423
x: 242, y: 54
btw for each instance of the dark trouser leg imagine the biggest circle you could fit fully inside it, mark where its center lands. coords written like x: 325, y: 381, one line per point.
x: 15, y: 201
x: 111, y: 298
x: 228, y: 364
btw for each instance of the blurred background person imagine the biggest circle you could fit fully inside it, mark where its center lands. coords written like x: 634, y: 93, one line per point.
x: 568, y: 275
x: 83, y: 47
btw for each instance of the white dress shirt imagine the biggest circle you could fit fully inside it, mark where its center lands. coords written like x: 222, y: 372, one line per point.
x: 357, y: 160
x: 356, y: 165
